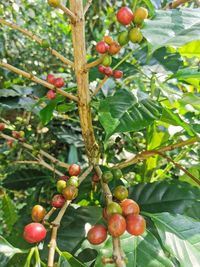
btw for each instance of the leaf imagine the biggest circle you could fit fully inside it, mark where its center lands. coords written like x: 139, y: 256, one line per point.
x: 180, y: 235
x: 46, y: 113
x: 172, y: 28
x: 7, y: 251
x: 140, y: 251
x: 68, y: 260
x: 9, y: 211
x: 171, y: 196
x: 191, y: 99
x: 186, y: 73
x: 24, y: 178
x: 126, y: 112
x: 190, y: 50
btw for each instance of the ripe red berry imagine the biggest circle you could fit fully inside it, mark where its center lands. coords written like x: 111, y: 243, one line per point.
x: 2, y: 126
x: 64, y: 178
x: 95, y: 178
x: 116, y: 225
x: 57, y: 201
x: 10, y: 142
x: 38, y: 213
x: 59, y: 82
x: 129, y: 206
x: 135, y: 224
x: 34, y: 232
x: 101, y: 68
x: 102, y: 47
x: 51, y: 94
x: 117, y: 74
x: 125, y: 15
x: 74, y: 170
x: 50, y: 78
x: 97, y: 234
x: 108, y: 71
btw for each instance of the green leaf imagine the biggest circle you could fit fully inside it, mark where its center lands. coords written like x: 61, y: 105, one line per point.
x: 46, y: 113
x: 68, y: 260
x: 127, y: 111
x: 186, y: 73
x: 172, y: 196
x: 191, y: 49
x: 180, y: 235
x: 7, y: 251
x: 9, y: 211
x: 140, y: 251
x: 24, y: 178
x: 191, y: 99
x: 172, y: 28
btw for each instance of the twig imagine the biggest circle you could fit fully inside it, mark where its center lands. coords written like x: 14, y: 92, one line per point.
x: 85, y: 174
x: 93, y: 63
x: 196, y: 180
x: 88, y: 4
x: 37, y: 80
x: 100, y: 86
x: 38, y: 40
x: 68, y: 12
x: 176, y: 3
x: 147, y: 154
x: 48, y: 215
x: 41, y: 152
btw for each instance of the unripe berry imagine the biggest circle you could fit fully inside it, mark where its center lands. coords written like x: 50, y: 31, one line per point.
x: 57, y: 201
x: 70, y: 192
x: 135, y: 35
x: 120, y: 192
x: 108, y: 71
x: 59, y: 82
x: 125, y: 15
x: 135, y: 224
x: 140, y: 15
x: 74, y: 170
x: 116, y: 225
x: 108, y: 40
x: 51, y: 94
x: 34, y: 232
x: 73, y: 180
x: 114, y: 48
x: 45, y: 44
x: 38, y: 213
x: 107, y: 176
x: 102, y: 47
x: 101, y: 68
x: 117, y: 174
x: 123, y: 38
x: 107, y: 61
x: 129, y: 206
x: 118, y: 74
x: 97, y: 234
x: 50, y: 78
x: 60, y: 186
x: 2, y: 126
x: 54, y: 3
x: 95, y: 178
x: 113, y: 208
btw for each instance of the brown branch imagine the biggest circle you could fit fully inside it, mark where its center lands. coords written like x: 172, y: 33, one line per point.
x: 68, y: 12
x: 48, y: 215
x: 85, y: 174
x: 147, y: 154
x: 93, y: 63
x: 37, y: 80
x: 87, y: 6
x: 176, y: 4
x: 100, y: 86
x: 195, y: 179
x: 38, y: 40
x: 41, y: 152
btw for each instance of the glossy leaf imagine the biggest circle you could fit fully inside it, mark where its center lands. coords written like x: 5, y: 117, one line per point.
x: 9, y: 211
x: 190, y: 50
x: 67, y: 260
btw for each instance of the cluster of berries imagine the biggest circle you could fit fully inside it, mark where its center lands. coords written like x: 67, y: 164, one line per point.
x: 120, y: 216
x: 67, y: 187
x: 19, y: 135
x: 57, y: 82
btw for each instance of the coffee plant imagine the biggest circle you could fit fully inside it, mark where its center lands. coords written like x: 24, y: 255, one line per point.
x: 99, y: 133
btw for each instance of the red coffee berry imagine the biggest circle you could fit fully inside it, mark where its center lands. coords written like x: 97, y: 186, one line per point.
x: 101, y: 68
x: 108, y: 71
x: 129, y: 206
x: 38, y: 213
x: 97, y: 234
x: 125, y: 15
x: 114, y: 48
x: 10, y: 142
x: 64, y: 178
x: 50, y: 78
x: 135, y: 224
x: 102, y: 47
x: 117, y: 74
x: 2, y: 126
x: 57, y: 201
x: 74, y: 170
x: 59, y: 82
x: 51, y: 94
x: 95, y: 178
x: 16, y: 134
x: 34, y: 232
x: 116, y: 225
